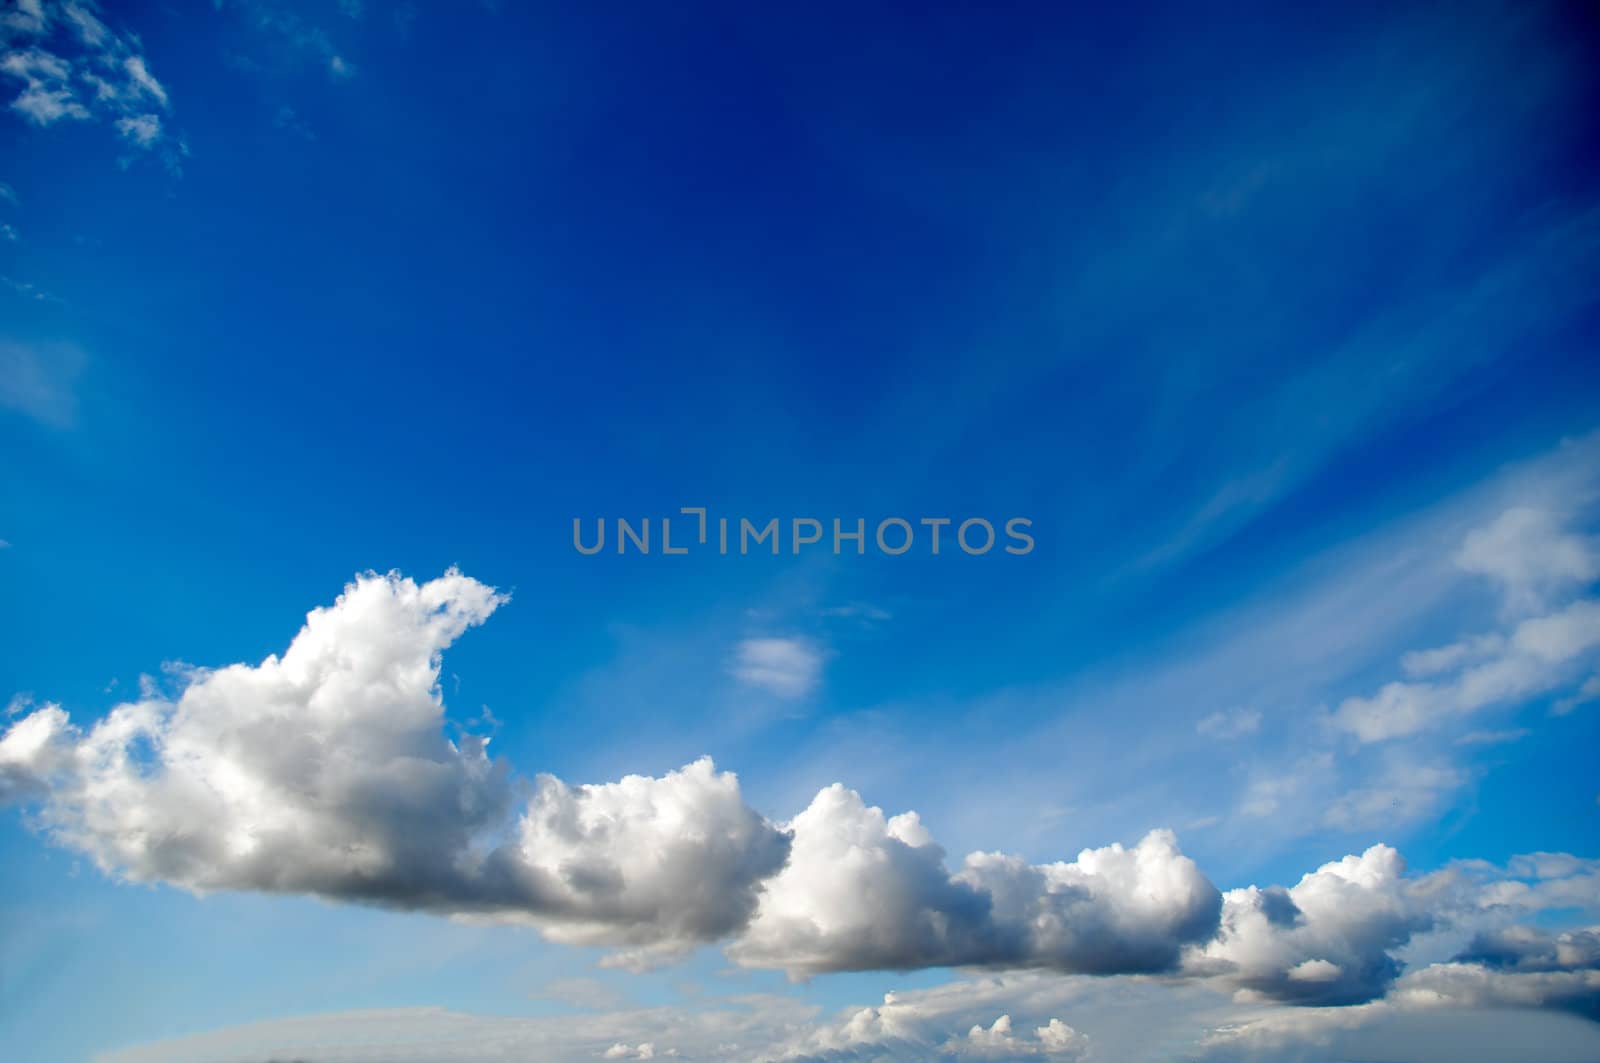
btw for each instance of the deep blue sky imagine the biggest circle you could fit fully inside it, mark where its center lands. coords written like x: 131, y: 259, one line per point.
x: 1241, y: 309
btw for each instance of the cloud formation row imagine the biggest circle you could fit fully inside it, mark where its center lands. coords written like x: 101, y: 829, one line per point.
x: 328, y: 771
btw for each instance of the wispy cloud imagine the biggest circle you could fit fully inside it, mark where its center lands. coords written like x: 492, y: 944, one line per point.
x: 72, y: 66
x: 1533, y: 558
x: 787, y: 667
x: 40, y: 381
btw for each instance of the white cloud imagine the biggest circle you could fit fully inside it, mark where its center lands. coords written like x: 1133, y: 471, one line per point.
x: 1325, y: 940
x: 32, y: 751
x: 26, y: 16
x: 1536, y: 656
x: 1419, y: 664
x: 666, y: 862
x: 988, y: 1018
x: 1588, y: 692
x: 1533, y: 560
x: 1497, y: 985
x: 1493, y: 738
x: 140, y: 80
x: 326, y: 772
x: 71, y: 66
x: 1531, y: 556
x: 47, y: 95
x: 787, y: 667
x: 1335, y: 937
x: 1047, y: 1017
x: 1404, y: 792
x: 996, y: 1041
x: 1232, y: 724
x: 144, y: 129
x: 862, y: 891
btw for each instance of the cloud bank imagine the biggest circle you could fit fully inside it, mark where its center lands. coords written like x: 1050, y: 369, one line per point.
x: 328, y: 771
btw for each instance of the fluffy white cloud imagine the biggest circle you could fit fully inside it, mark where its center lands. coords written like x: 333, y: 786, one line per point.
x: 327, y: 772
x: 1326, y: 940
x: 69, y: 65
x: 787, y: 667
x: 996, y: 1041
x: 1334, y: 937
x: 674, y: 860
x: 32, y: 752
x: 976, y: 1019
x: 864, y: 891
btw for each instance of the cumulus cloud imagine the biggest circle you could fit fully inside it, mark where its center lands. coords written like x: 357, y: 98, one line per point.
x: 865, y: 891
x: 787, y: 667
x: 1518, y: 966
x: 1326, y: 940
x: 1333, y: 938
x: 996, y: 1041
x: 1015, y: 1016
x: 33, y: 751
x: 68, y: 65
x: 329, y: 771
x: 657, y: 862
x: 326, y: 771
x: 1502, y: 978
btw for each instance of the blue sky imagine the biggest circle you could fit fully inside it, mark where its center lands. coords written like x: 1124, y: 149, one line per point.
x: 1278, y: 326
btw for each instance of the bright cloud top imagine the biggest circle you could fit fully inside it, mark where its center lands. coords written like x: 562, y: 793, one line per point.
x: 327, y: 771
x: 865, y: 892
